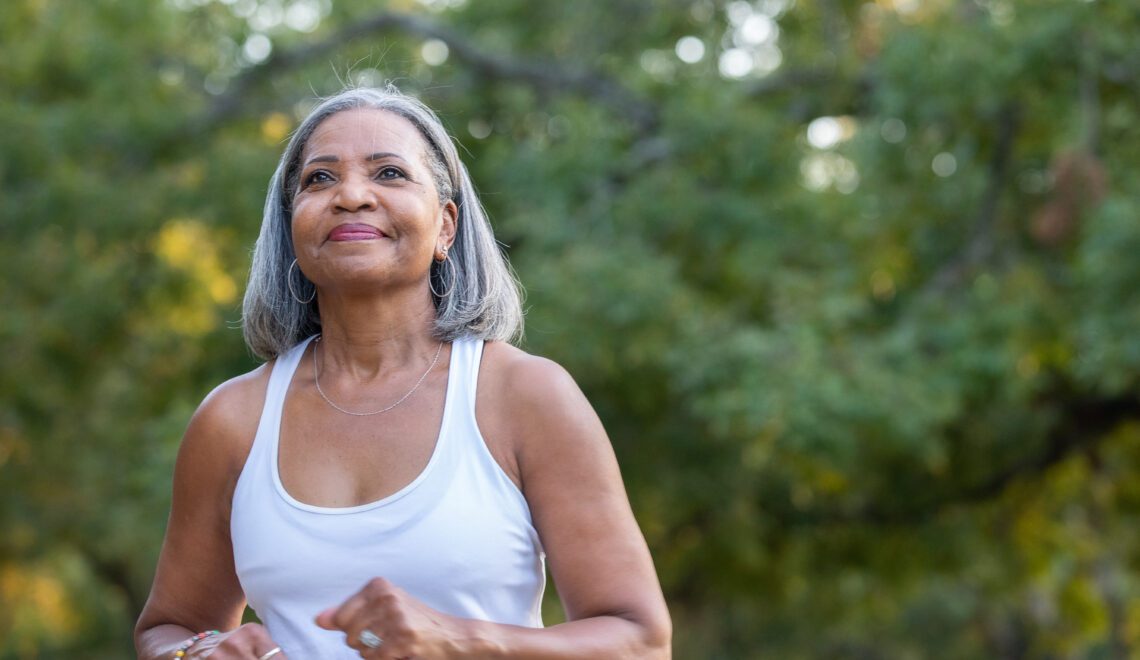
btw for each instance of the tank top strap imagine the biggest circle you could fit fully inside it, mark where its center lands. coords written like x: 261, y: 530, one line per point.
x: 283, y: 371
x: 468, y: 438
x: 279, y: 379
x: 284, y: 368
x: 468, y: 353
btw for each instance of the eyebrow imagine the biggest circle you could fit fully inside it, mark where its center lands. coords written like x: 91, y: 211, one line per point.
x: 379, y: 155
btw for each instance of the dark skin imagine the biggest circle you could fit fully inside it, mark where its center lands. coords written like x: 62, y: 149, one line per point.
x: 376, y: 318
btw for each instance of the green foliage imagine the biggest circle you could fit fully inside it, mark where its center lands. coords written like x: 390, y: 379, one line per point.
x: 860, y: 321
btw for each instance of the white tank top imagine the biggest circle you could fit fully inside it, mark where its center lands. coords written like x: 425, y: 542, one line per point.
x: 459, y: 537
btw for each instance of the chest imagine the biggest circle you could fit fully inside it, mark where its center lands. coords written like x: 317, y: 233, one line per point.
x: 459, y: 540
x: 331, y: 459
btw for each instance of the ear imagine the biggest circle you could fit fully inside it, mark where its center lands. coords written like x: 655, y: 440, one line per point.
x: 449, y: 214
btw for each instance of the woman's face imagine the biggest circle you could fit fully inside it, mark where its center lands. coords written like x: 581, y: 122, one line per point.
x: 367, y: 212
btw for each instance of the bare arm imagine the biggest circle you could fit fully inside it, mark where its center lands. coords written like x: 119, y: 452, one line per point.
x: 195, y: 587
x: 544, y: 433
x: 597, y: 555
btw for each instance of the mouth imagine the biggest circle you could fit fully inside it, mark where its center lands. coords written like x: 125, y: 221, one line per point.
x: 355, y: 232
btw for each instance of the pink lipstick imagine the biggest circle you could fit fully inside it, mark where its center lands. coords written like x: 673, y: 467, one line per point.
x: 355, y: 232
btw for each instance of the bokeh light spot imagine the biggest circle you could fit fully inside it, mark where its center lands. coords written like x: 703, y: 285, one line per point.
x: 690, y: 49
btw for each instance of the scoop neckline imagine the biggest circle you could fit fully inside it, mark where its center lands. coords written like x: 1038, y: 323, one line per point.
x: 275, y: 467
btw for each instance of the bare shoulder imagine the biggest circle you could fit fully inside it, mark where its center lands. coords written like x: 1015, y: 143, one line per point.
x: 523, y: 379
x: 532, y: 413
x: 529, y: 392
x: 222, y: 429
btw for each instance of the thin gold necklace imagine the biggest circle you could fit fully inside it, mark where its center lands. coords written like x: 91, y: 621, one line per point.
x: 415, y: 387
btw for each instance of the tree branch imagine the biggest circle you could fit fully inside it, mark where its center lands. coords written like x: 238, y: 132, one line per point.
x: 1088, y: 79
x: 790, y: 80
x: 1085, y: 423
x: 542, y: 75
x: 982, y: 239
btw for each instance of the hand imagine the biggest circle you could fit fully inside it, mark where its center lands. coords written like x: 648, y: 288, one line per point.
x: 406, y: 627
x: 250, y: 641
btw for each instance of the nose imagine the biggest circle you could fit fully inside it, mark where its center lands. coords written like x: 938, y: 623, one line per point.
x: 355, y: 194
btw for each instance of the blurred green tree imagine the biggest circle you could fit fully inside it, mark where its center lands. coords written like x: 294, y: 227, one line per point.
x: 853, y: 285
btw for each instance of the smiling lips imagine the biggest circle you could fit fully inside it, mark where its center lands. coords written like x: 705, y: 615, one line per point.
x: 355, y: 232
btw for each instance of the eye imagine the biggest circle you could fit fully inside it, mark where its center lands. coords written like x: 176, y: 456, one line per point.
x: 390, y: 172
x: 316, y: 177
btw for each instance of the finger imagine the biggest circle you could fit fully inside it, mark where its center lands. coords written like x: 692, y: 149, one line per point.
x: 345, y: 616
x: 368, y: 637
x: 380, y: 603
x: 249, y: 642
x: 274, y: 652
x: 358, y: 605
x: 382, y: 647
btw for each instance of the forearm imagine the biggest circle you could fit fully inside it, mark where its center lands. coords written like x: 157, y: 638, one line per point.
x: 596, y: 637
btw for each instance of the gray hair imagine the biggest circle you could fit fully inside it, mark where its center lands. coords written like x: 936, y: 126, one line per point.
x: 482, y: 296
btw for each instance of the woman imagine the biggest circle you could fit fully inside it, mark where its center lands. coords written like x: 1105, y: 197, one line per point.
x: 389, y: 484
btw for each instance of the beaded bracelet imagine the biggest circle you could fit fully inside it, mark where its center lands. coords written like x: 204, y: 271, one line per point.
x: 181, y: 652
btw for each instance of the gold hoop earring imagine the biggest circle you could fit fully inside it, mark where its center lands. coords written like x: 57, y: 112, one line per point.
x: 289, y: 283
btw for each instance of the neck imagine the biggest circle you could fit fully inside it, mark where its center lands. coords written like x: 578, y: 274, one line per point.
x: 367, y: 337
